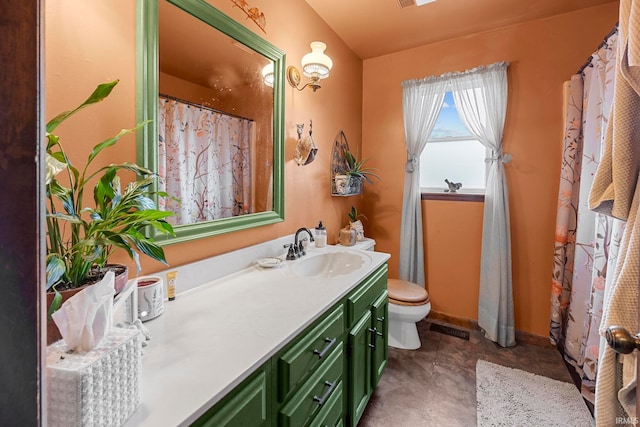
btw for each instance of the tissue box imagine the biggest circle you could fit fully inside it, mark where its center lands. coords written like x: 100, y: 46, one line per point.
x: 96, y: 388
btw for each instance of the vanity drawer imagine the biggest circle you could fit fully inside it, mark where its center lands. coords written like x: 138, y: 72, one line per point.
x: 309, y: 352
x: 332, y: 413
x: 362, y: 299
x: 316, y: 392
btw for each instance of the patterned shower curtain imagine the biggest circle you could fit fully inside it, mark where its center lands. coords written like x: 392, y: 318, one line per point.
x: 204, y: 161
x: 586, y: 243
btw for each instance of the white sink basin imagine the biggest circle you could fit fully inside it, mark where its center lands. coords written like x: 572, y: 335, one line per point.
x: 331, y: 264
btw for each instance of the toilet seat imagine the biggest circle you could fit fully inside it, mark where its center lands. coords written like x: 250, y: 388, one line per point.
x: 402, y: 292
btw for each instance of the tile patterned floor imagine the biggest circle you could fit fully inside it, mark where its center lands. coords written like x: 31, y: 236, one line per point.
x: 436, y: 385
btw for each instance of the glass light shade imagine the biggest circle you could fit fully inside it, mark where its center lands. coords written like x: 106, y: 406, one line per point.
x: 267, y: 74
x: 316, y: 63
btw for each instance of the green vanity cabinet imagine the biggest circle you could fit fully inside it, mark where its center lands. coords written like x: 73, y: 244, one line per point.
x: 248, y: 405
x: 324, y: 376
x: 302, y: 357
x: 359, y: 363
x: 380, y: 349
x: 309, y: 372
x: 367, y: 309
x: 315, y: 393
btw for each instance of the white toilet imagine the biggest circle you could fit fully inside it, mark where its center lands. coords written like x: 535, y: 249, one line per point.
x: 408, y: 304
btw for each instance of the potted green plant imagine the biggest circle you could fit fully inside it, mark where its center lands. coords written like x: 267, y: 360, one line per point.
x: 81, y: 238
x: 357, y: 173
x: 356, y: 224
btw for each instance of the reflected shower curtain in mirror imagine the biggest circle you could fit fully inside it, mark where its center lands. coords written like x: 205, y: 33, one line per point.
x: 204, y: 161
x: 586, y: 243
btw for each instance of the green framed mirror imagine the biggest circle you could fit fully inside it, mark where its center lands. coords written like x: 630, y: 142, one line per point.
x: 216, y: 124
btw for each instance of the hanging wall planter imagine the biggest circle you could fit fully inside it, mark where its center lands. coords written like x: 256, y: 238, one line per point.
x: 347, y: 172
x: 342, y: 183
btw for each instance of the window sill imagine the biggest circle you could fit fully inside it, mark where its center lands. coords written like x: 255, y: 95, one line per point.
x: 428, y: 194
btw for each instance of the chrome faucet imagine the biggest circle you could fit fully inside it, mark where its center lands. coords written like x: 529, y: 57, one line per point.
x: 298, y: 243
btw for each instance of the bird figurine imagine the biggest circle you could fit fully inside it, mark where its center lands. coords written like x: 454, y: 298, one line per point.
x: 453, y: 186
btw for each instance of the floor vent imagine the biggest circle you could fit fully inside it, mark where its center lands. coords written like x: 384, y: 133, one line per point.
x: 447, y: 330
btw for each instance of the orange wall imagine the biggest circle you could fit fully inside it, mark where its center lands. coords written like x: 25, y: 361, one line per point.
x: 542, y: 54
x: 92, y: 42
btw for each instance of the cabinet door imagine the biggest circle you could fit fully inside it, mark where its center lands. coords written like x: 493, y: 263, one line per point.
x: 247, y: 406
x: 380, y: 313
x: 359, y: 367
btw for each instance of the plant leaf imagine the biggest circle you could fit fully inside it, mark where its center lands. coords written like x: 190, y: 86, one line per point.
x: 111, y: 141
x: 163, y: 227
x: 64, y: 195
x: 134, y: 168
x: 73, y: 219
x: 95, y: 216
x: 144, y: 203
x: 101, y: 92
x: 55, y: 304
x: 104, y: 191
x: 52, y: 140
x: 146, y: 246
x: 55, y: 270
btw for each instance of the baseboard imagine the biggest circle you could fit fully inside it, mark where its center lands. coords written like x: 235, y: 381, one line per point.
x: 522, y: 337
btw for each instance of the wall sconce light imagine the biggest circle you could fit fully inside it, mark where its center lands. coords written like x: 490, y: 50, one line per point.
x: 315, y: 65
x: 267, y: 74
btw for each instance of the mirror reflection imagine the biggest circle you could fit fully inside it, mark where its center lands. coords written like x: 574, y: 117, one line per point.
x: 215, y: 118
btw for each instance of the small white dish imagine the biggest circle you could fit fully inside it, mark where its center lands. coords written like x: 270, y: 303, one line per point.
x: 269, y: 262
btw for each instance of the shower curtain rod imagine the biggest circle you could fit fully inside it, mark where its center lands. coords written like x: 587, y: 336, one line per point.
x: 194, y: 104
x: 603, y: 43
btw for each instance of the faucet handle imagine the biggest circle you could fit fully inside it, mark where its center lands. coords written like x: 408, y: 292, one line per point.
x: 291, y: 253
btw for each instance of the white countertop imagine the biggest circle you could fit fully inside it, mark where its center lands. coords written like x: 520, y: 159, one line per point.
x: 213, y: 336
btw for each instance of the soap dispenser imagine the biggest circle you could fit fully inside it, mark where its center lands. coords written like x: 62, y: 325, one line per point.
x: 320, y: 236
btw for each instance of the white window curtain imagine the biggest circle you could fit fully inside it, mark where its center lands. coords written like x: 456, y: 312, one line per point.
x: 421, y: 103
x: 481, y: 99
x: 204, y: 162
x: 480, y: 95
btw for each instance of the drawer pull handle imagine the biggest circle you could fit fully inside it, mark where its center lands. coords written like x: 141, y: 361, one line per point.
x: 325, y: 396
x: 375, y: 332
x: 380, y: 319
x: 331, y: 342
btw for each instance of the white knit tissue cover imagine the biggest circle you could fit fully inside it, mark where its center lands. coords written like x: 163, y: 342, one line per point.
x: 96, y: 388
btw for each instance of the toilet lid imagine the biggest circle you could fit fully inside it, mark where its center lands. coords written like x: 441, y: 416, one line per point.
x: 403, y: 291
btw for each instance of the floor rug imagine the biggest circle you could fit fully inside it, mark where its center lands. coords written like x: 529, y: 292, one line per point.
x: 511, y: 397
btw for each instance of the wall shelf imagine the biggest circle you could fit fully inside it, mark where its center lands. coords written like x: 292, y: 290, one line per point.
x: 343, y: 184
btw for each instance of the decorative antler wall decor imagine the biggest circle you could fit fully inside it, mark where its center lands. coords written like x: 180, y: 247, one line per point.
x: 252, y: 13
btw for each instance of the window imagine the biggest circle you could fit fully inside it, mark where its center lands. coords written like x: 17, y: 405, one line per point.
x: 452, y: 153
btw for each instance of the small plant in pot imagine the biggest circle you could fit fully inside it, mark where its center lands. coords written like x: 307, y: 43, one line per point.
x: 80, y: 238
x: 357, y: 173
x: 356, y: 224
